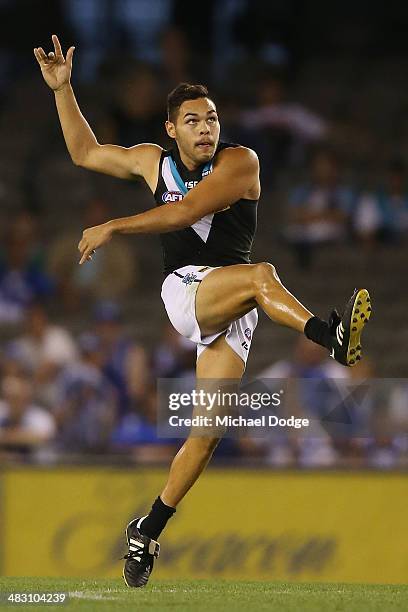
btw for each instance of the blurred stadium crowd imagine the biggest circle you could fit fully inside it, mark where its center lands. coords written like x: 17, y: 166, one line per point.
x: 82, y: 348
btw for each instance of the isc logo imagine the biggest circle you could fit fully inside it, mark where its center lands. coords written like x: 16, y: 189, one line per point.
x: 172, y: 196
x: 190, y: 184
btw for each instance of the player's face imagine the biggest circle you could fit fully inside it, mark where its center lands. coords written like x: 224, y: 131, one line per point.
x: 196, y: 130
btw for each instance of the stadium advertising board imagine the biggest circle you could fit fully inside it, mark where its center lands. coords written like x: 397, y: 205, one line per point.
x: 237, y: 524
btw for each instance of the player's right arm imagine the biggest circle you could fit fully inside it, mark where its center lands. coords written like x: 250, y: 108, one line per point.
x: 81, y: 142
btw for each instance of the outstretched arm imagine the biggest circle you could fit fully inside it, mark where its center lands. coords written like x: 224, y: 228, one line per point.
x: 236, y: 174
x: 81, y: 142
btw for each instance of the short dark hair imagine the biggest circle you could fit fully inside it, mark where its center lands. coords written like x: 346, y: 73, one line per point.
x: 181, y: 93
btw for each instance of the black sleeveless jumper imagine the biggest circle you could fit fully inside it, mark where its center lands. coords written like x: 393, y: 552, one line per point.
x: 219, y: 239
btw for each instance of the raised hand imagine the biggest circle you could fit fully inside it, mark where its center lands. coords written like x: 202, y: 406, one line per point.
x: 55, y: 69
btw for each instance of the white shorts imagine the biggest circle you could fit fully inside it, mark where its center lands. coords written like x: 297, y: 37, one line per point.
x: 179, y: 296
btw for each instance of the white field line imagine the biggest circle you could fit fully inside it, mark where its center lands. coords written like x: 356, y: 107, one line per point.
x: 91, y: 595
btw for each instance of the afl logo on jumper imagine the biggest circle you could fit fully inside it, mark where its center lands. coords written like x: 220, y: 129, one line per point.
x: 172, y: 196
x: 248, y: 333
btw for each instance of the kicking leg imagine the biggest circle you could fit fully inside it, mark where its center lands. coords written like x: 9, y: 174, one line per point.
x: 227, y: 293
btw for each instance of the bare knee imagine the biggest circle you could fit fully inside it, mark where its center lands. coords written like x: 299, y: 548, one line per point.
x: 203, y: 445
x: 265, y: 276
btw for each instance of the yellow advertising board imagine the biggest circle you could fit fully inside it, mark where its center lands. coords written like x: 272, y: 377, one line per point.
x: 239, y: 524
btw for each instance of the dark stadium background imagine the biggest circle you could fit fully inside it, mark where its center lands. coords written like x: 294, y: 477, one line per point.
x: 319, y: 90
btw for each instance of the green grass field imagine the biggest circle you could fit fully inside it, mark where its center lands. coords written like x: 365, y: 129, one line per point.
x: 205, y: 595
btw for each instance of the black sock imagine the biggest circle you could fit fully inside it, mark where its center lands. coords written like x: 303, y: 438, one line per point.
x: 156, y: 520
x: 318, y: 331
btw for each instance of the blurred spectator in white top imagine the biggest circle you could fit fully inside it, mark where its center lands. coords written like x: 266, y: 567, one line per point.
x: 109, y: 275
x: 24, y: 427
x: 44, y: 349
x: 274, y: 110
x: 278, y: 129
x: 22, y: 276
x: 320, y: 209
x: 86, y: 409
x: 383, y: 216
x: 125, y: 362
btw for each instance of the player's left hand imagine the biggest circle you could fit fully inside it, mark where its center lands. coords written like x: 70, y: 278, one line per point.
x: 92, y: 239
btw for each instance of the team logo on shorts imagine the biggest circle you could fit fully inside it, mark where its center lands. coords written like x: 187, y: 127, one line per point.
x: 189, y: 278
x: 172, y: 196
x: 248, y: 333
